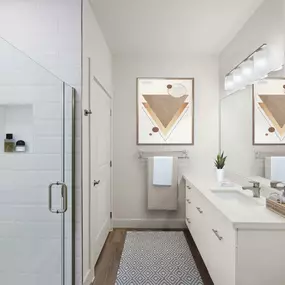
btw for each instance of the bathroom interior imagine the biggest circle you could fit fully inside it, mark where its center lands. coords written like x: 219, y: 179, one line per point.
x: 143, y: 142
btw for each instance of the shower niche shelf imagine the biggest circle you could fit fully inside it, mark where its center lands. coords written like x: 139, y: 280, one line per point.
x: 17, y: 119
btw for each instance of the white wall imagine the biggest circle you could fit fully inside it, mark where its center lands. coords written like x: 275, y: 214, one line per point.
x: 130, y: 190
x: 265, y: 26
x: 49, y: 31
x: 96, y: 49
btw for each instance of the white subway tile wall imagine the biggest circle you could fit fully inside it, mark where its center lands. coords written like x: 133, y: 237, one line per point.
x: 30, y: 235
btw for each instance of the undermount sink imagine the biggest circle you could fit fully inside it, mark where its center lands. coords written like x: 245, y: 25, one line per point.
x: 237, y: 197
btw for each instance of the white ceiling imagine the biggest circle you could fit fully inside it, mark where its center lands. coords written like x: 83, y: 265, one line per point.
x: 171, y: 26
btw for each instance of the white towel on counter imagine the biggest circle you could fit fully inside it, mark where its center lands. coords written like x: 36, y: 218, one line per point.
x: 162, y: 170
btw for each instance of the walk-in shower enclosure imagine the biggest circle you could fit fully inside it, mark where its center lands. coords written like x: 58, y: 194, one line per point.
x: 36, y: 186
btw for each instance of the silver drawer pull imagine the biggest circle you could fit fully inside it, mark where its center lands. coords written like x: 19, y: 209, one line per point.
x: 188, y: 201
x: 188, y: 187
x: 217, y: 234
x: 188, y: 221
x: 199, y: 210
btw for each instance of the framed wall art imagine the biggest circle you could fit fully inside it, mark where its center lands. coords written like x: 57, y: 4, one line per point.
x: 165, y: 111
x: 269, y: 112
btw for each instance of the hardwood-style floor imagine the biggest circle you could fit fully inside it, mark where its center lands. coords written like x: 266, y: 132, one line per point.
x: 109, y: 260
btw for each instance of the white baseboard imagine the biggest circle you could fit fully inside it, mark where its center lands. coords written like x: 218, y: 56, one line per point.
x: 89, y: 277
x: 150, y: 223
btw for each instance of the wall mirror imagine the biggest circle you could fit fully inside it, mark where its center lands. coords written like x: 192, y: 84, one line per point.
x: 252, y: 130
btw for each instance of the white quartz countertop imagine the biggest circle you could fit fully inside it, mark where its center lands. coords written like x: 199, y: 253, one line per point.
x: 242, y: 216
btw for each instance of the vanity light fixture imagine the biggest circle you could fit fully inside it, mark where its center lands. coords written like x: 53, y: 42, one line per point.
x: 237, y: 76
x: 254, y: 67
x: 229, y: 82
x: 247, y: 67
x: 260, y: 58
x: 279, y: 68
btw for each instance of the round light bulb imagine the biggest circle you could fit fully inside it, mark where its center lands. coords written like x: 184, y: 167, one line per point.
x: 237, y: 76
x: 260, y: 58
x: 247, y: 67
x: 229, y: 82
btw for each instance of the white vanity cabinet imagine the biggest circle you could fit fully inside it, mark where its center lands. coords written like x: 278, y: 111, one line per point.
x: 214, y: 236
x: 233, y: 256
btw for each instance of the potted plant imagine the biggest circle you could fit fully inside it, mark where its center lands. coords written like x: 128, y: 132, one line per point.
x: 220, y: 164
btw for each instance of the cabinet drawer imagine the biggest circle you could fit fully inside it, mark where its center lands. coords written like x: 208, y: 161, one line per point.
x: 188, y: 188
x: 188, y: 205
x: 188, y: 185
x: 199, y: 221
x: 188, y: 194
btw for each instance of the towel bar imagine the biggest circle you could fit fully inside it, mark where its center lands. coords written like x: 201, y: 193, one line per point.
x: 179, y: 154
x: 262, y: 155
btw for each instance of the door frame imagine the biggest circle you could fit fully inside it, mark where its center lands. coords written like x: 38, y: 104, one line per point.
x: 73, y: 187
x: 73, y: 191
x: 111, y: 145
x: 88, y: 274
x: 73, y: 179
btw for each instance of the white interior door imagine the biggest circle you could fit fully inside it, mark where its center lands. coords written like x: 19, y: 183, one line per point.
x: 100, y: 168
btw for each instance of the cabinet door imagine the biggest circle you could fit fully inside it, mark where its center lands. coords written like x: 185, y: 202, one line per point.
x: 188, y: 204
x: 214, y: 236
x: 198, y: 214
x: 188, y: 218
x: 188, y: 186
x: 222, y: 248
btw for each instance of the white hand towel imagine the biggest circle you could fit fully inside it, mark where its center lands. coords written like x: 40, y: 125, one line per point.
x: 162, y: 171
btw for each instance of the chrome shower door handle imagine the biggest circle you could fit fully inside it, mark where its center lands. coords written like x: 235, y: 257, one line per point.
x: 63, y: 209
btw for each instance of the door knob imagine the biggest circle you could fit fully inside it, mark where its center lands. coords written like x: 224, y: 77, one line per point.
x: 96, y: 182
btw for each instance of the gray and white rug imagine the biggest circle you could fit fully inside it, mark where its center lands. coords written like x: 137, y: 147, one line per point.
x: 157, y: 258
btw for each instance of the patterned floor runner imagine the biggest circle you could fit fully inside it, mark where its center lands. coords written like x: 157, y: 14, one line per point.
x: 157, y: 258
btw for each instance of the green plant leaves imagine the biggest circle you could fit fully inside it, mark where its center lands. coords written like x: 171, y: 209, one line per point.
x: 220, y: 161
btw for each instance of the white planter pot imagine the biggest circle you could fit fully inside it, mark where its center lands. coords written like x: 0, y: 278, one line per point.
x: 220, y: 175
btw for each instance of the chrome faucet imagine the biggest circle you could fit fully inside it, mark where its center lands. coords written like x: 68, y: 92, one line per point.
x: 255, y: 189
x: 273, y: 184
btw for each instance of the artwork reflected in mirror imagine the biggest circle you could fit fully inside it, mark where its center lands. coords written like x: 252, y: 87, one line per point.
x: 268, y: 112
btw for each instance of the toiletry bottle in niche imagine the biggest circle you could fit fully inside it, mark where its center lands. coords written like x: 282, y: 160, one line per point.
x: 20, y: 146
x: 9, y: 143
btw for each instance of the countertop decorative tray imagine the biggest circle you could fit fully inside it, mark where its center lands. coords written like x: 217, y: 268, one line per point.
x: 274, y: 205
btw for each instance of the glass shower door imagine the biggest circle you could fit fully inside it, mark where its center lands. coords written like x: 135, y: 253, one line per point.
x: 35, y: 183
